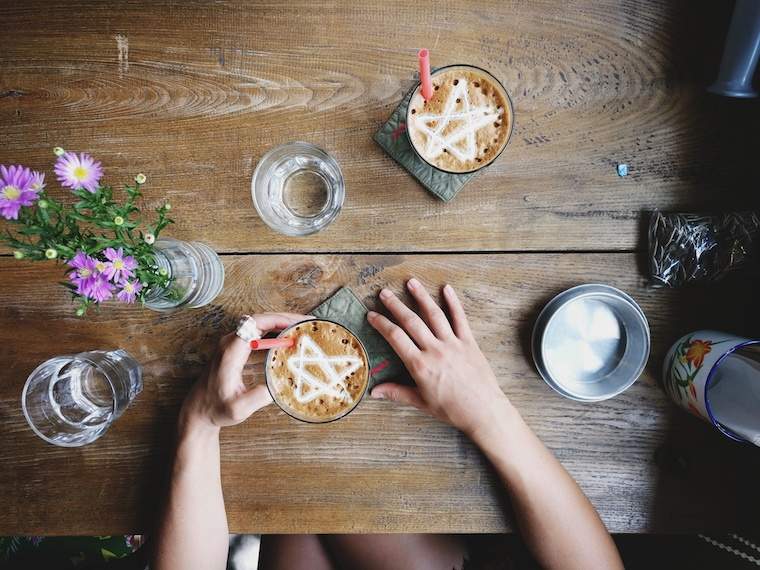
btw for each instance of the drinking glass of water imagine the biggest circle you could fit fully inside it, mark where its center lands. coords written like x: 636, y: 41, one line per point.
x: 71, y: 401
x: 297, y: 189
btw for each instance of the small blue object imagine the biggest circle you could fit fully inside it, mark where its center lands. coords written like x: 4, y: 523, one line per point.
x: 622, y: 169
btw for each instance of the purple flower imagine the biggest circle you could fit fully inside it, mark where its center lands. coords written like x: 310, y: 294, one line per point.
x: 77, y: 172
x: 84, y: 274
x: 15, y: 190
x: 119, y: 267
x: 81, y: 261
x: 101, y: 289
x: 129, y: 291
x: 100, y: 265
x: 134, y: 541
x: 38, y: 181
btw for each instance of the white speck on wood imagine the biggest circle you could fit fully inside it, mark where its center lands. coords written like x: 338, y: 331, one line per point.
x: 122, y: 49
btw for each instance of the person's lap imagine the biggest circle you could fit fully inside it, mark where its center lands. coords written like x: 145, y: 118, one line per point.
x: 364, y: 552
x: 293, y: 552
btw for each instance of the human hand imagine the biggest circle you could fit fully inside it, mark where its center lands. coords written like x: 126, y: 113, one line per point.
x: 221, y: 398
x: 454, y: 381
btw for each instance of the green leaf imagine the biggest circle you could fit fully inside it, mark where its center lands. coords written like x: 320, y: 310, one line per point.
x: 107, y: 554
x: 30, y: 230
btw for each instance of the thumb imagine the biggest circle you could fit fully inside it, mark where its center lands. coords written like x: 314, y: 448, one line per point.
x: 401, y: 394
x: 253, y: 400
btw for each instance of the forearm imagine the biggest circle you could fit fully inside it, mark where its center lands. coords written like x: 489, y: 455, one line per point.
x: 558, y: 522
x: 193, y: 532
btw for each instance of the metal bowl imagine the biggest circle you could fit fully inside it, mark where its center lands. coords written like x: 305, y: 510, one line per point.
x: 591, y: 342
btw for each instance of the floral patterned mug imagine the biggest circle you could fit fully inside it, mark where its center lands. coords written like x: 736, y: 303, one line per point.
x: 690, y: 368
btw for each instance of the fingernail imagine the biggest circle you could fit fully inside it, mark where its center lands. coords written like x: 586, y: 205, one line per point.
x: 448, y: 288
x: 413, y: 283
x: 371, y: 315
x: 378, y: 395
x: 385, y: 293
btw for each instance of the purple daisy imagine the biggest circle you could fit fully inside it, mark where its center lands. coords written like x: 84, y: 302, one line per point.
x: 100, y: 265
x: 101, y: 289
x: 15, y: 190
x: 84, y: 272
x: 129, y: 291
x: 119, y: 267
x: 38, y: 181
x: 134, y: 541
x: 77, y: 172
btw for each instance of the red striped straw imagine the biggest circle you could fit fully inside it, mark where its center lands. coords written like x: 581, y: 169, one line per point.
x: 427, y: 82
x: 267, y: 343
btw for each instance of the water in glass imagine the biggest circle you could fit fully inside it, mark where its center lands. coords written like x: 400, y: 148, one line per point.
x: 297, y: 189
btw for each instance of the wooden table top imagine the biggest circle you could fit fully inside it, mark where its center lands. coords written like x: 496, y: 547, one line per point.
x: 193, y: 93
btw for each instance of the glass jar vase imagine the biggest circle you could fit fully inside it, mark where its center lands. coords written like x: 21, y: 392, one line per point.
x: 196, y: 273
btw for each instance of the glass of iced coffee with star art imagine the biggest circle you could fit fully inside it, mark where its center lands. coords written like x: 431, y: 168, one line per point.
x: 322, y: 376
x: 466, y: 122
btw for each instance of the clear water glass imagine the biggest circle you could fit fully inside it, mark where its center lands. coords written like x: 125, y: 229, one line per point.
x: 297, y: 189
x: 196, y: 271
x: 71, y: 400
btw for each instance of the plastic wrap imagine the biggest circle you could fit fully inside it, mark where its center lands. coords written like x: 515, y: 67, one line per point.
x: 689, y: 248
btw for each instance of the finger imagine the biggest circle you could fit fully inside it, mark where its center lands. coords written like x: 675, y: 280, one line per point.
x: 277, y: 321
x: 252, y: 400
x: 458, y: 318
x: 431, y: 312
x: 396, y: 337
x: 213, y: 363
x: 235, y: 353
x: 408, y: 319
x: 402, y: 394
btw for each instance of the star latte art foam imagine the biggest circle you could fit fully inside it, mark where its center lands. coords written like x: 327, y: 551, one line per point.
x: 468, y: 120
x: 465, y: 124
x: 322, y: 376
x: 335, y: 369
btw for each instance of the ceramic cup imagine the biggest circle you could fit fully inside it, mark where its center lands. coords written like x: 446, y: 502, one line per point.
x: 716, y: 377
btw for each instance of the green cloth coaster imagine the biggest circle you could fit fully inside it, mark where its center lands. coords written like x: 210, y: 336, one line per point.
x: 345, y: 308
x: 392, y: 137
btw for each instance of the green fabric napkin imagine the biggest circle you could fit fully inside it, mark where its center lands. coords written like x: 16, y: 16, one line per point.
x: 392, y: 137
x: 345, y: 308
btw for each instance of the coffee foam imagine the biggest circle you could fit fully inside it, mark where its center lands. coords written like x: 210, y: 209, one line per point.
x: 323, y: 375
x: 465, y: 125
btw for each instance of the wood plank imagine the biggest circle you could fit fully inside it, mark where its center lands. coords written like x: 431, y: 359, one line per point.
x: 193, y: 93
x: 645, y: 464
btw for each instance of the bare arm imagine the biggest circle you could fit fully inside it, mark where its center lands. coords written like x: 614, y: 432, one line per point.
x: 558, y: 522
x: 193, y: 533
x: 456, y: 384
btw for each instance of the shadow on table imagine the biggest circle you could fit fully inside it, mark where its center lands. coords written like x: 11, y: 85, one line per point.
x: 717, y: 149
x: 186, y: 367
x: 705, y: 481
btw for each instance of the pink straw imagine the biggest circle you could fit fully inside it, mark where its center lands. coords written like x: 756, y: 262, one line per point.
x: 266, y: 343
x: 427, y: 83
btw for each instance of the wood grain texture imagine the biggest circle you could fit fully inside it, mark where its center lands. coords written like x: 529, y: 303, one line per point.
x: 646, y: 465
x: 193, y: 94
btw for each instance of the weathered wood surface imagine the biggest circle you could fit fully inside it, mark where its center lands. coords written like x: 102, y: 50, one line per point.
x: 193, y: 93
x: 645, y: 464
